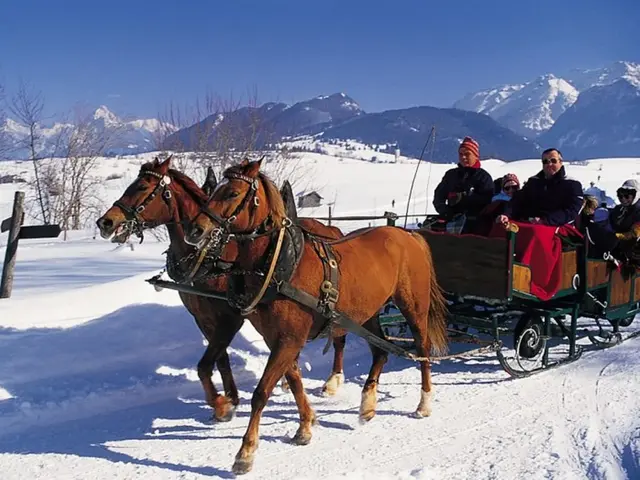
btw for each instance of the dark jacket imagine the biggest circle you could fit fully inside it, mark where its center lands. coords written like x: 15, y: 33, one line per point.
x: 622, y: 218
x: 556, y: 200
x: 474, y: 183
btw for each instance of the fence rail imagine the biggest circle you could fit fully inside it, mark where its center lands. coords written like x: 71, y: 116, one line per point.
x: 390, y: 217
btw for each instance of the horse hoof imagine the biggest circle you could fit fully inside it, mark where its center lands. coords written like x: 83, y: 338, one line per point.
x: 301, y: 438
x: 422, y: 413
x: 367, y: 416
x: 242, y: 466
x: 330, y: 387
x: 225, y: 413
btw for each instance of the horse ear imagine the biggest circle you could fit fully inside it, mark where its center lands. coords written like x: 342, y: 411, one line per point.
x: 253, y: 168
x: 244, y: 162
x: 166, y: 165
x: 289, y: 203
x: 210, y: 182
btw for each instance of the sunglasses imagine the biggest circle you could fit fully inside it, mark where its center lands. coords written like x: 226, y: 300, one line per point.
x: 626, y: 193
x: 545, y: 161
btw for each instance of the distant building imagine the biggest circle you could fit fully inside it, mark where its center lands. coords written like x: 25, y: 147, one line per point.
x: 309, y: 199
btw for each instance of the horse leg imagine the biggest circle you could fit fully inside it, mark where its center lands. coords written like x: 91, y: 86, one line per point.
x: 226, y: 407
x: 307, y: 415
x: 417, y: 319
x: 369, y: 391
x: 222, y: 407
x: 281, y: 360
x: 336, y: 378
x: 219, y: 335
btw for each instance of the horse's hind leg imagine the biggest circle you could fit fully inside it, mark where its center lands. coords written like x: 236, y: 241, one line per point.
x: 336, y: 378
x: 370, y: 390
x: 415, y: 311
x: 281, y: 360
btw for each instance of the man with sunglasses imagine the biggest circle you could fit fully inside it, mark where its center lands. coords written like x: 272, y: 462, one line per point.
x: 548, y: 198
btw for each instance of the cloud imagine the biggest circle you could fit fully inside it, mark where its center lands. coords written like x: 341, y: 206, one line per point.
x: 113, y: 95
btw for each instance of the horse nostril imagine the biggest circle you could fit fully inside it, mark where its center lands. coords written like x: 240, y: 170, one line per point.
x: 105, y: 223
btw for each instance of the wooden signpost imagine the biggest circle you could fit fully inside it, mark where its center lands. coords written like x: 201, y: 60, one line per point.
x: 17, y: 232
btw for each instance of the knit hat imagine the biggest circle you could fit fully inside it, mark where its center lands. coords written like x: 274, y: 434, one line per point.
x: 471, y: 144
x: 510, y: 179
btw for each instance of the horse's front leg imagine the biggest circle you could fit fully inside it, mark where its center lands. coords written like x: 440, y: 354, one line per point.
x: 219, y: 334
x: 282, y: 358
x: 307, y: 415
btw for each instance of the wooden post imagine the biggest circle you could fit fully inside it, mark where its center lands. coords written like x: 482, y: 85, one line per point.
x: 12, y: 245
x: 329, y: 215
x: 391, y: 218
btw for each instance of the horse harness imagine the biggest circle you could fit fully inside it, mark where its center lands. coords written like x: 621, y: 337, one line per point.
x: 281, y: 263
x: 136, y: 225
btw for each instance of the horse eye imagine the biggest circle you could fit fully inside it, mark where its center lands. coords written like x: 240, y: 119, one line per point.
x: 141, y: 187
x: 233, y: 194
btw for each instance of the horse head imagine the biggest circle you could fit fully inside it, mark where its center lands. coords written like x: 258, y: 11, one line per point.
x: 156, y: 197
x: 244, y: 202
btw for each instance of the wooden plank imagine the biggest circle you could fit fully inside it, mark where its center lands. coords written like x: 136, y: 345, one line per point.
x: 620, y: 289
x: 597, y: 273
x: 569, y: 269
x: 636, y: 289
x: 470, y: 264
x: 6, y: 223
x: 522, y: 278
x: 40, y: 231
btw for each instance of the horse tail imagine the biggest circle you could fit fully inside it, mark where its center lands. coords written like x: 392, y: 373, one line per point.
x: 438, y: 311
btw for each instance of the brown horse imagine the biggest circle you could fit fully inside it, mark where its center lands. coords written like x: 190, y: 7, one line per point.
x: 163, y: 196
x: 365, y: 269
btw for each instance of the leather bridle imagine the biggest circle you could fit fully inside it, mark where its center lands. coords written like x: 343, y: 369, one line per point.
x: 134, y: 223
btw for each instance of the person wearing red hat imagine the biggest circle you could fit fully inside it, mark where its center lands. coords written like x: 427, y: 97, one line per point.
x: 466, y: 189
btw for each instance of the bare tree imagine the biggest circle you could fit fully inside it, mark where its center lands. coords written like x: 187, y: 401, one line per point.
x: 214, y: 131
x: 77, y: 190
x: 27, y: 106
x: 5, y: 141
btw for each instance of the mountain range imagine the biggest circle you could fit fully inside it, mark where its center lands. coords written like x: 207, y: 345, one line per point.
x: 120, y: 137
x: 585, y: 113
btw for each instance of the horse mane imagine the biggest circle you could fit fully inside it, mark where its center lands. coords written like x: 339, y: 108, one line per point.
x: 276, y: 204
x: 277, y: 208
x: 189, y: 186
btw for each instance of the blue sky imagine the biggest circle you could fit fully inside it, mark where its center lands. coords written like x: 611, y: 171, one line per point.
x: 137, y: 56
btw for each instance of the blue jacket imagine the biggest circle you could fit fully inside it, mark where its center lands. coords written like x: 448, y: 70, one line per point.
x: 556, y: 200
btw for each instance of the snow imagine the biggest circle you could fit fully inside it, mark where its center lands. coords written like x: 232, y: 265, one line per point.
x: 98, y: 380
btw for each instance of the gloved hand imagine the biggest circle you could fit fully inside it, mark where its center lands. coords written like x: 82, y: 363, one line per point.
x: 454, y: 198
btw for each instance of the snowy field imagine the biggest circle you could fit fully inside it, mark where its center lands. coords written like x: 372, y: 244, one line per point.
x: 98, y: 379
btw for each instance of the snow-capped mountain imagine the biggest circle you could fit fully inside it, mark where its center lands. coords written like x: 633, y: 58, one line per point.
x: 122, y: 136
x: 604, y: 121
x: 533, y: 107
x: 585, y: 79
x: 527, y: 109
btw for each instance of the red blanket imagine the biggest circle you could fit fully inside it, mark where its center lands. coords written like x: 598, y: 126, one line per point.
x: 540, y: 248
